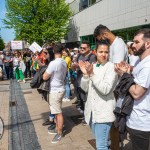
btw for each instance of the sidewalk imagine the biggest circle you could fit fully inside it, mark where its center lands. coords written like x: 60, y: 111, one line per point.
x: 76, y: 137
x: 23, y: 112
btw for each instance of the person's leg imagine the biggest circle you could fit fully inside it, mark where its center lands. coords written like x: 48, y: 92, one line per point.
x: 101, y: 133
x: 11, y: 72
x: 59, y: 123
x: 114, y: 137
x: 17, y: 74
x: 139, y: 139
x: 26, y: 72
x: 67, y: 94
x: 55, y: 107
x: 21, y: 75
x: 7, y: 71
x: 55, y: 102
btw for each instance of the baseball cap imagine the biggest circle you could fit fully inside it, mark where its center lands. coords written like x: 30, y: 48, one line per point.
x: 75, y: 49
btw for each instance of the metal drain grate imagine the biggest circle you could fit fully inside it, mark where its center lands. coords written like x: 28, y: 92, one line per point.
x: 92, y: 143
x: 12, y: 103
x: 27, y: 92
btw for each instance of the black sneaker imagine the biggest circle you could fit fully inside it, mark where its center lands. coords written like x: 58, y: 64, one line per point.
x: 57, y: 138
x: 52, y: 131
x: 52, y: 126
x: 81, y: 117
x: 47, y: 122
x: 76, y: 102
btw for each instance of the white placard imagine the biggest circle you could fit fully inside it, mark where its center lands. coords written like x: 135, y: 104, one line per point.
x: 16, y: 45
x: 35, y: 47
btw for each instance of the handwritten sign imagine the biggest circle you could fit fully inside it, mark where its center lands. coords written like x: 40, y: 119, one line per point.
x: 35, y: 47
x: 16, y: 45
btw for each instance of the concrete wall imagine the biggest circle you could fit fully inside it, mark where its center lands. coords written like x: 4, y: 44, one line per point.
x: 115, y: 14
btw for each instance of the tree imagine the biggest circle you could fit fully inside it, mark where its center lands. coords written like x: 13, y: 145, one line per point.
x: 1, y: 44
x: 38, y: 20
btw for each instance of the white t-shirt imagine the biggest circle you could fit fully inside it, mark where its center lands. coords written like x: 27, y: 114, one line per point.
x: 140, y: 115
x: 133, y: 59
x: 57, y: 69
x: 118, y: 51
x: 15, y: 61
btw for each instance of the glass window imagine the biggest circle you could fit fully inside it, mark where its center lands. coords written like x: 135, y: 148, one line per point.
x: 83, y: 4
x: 91, y: 2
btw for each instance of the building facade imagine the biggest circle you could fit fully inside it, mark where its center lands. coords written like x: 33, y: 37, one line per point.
x: 123, y: 17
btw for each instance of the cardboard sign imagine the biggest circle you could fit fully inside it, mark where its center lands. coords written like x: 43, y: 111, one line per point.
x: 35, y: 47
x: 16, y: 45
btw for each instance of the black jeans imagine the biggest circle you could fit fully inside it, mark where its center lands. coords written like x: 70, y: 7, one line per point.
x: 140, y: 139
x: 82, y: 97
x: 9, y: 71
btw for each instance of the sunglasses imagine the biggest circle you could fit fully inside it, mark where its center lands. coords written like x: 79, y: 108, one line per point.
x: 84, y: 48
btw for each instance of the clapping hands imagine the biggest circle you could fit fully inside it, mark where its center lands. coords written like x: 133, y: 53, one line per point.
x: 86, y: 68
x: 122, y: 68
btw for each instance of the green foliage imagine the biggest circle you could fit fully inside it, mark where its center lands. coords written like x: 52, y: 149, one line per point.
x: 38, y: 20
x: 1, y: 44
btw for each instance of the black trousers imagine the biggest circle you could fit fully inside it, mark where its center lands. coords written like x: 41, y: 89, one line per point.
x: 140, y: 139
x: 9, y: 71
x: 82, y: 96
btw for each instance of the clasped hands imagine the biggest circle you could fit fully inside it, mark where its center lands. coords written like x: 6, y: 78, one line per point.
x: 86, y: 68
x: 122, y: 68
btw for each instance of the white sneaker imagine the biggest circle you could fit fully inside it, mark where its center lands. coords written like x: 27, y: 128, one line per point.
x: 18, y: 80
x: 24, y: 81
x: 66, y: 100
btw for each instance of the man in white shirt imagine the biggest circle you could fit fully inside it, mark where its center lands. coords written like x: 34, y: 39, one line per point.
x: 138, y: 122
x: 56, y: 71
x: 118, y: 49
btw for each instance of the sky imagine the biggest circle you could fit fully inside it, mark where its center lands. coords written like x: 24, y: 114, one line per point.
x: 6, y: 34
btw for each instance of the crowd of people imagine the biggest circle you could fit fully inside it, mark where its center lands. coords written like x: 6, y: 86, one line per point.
x: 111, y: 84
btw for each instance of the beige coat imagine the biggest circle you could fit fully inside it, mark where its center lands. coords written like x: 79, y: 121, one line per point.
x: 100, y: 101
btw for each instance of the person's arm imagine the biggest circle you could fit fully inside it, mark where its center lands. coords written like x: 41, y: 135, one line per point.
x: 11, y: 59
x: 142, y: 80
x: 46, y: 76
x: 137, y: 91
x: 48, y: 72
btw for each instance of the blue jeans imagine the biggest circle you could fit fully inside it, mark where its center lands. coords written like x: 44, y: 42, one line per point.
x: 101, y: 133
x: 68, y: 91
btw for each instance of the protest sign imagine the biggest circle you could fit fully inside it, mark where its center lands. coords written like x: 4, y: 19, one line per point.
x: 16, y: 45
x: 35, y: 47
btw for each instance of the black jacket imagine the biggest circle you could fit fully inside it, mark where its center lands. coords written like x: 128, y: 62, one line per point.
x: 121, y: 112
x: 41, y: 85
x: 38, y: 78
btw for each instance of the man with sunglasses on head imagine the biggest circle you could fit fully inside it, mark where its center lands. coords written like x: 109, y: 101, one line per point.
x: 84, y: 55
